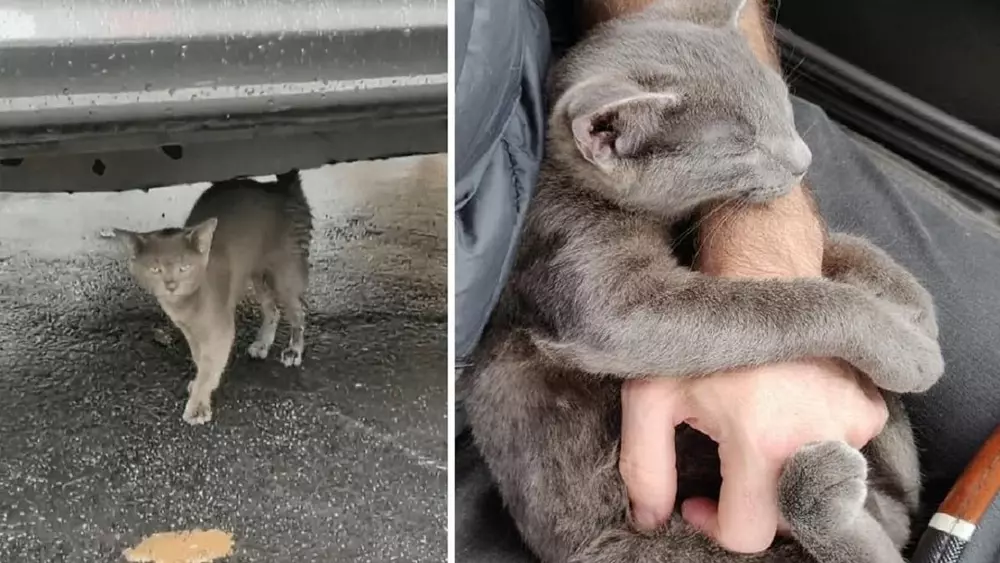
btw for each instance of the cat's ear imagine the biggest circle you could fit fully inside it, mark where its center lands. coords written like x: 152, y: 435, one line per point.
x: 135, y: 242
x: 200, y: 235
x: 620, y: 129
x: 711, y: 13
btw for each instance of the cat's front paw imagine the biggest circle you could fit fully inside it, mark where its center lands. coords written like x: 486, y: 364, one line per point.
x: 905, y: 359
x: 823, y: 486
x: 197, y: 411
x: 258, y: 349
x: 291, y: 357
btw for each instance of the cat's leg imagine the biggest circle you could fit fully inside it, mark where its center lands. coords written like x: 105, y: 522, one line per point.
x: 894, y: 473
x: 195, y: 349
x: 290, y: 286
x: 215, y: 345
x: 822, y: 492
x: 856, y: 261
x: 696, y: 325
x: 292, y: 355
x: 270, y: 314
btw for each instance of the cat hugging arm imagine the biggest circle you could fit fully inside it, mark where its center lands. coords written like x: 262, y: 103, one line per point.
x: 239, y: 233
x: 655, y: 116
x: 629, y: 139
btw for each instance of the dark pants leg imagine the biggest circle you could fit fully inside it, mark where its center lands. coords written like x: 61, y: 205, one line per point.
x: 861, y: 189
x: 864, y: 189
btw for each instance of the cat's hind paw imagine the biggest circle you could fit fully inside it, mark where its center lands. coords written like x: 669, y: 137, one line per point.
x: 258, y: 349
x: 197, y: 411
x: 823, y: 486
x: 291, y: 357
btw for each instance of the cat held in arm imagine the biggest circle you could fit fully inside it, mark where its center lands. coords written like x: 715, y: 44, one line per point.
x: 654, y: 117
x: 239, y: 234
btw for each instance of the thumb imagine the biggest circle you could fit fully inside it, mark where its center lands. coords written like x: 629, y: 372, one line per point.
x: 647, y: 460
x: 747, y: 516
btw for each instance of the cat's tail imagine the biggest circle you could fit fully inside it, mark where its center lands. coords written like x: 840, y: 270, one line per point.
x: 291, y: 181
x: 298, y: 210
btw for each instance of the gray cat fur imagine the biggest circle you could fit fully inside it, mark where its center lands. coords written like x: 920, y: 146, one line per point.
x: 654, y: 116
x: 239, y: 234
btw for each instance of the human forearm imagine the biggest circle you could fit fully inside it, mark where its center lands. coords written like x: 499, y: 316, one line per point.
x: 596, y: 11
x: 780, y: 239
x: 752, y: 21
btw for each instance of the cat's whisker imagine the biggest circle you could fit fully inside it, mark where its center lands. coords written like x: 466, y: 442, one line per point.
x: 808, y: 129
x: 729, y: 210
x: 790, y: 75
x: 696, y: 224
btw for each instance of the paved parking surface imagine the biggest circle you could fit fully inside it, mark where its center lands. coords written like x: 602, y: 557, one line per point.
x: 343, y: 460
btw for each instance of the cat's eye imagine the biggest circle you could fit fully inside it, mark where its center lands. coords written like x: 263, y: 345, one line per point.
x: 155, y: 269
x: 184, y: 267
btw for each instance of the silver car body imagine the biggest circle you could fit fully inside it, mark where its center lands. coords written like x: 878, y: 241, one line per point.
x: 122, y: 94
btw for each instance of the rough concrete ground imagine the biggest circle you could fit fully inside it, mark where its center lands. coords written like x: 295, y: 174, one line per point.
x: 343, y: 460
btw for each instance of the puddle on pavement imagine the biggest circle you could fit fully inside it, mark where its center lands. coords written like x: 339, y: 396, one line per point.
x: 189, y: 546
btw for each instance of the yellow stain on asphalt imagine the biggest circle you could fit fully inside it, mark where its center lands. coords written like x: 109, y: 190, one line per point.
x: 188, y: 546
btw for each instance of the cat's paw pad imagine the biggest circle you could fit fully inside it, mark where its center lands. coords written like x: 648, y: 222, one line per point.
x: 258, y: 350
x: 291, y: 357
x: 822, y: 486
x: 197, y: 411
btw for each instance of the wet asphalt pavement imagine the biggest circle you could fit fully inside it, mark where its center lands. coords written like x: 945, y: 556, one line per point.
x: 344, y: 459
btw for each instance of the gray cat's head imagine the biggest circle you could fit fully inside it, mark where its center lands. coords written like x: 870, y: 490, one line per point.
x: 670, y: 109
x: 170, y: 263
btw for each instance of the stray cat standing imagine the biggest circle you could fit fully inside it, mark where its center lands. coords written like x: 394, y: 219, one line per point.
x: 240, y: 233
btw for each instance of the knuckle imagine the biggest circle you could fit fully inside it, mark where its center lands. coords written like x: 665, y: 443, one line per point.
x: 627, y: 468
x: 636, y: 475
x: 882, y: 416
x: 775, y: 445
x: 879, y: 416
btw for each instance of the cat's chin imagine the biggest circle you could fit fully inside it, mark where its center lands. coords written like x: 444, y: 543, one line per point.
x: 171, y: 298
x: 765, y: 194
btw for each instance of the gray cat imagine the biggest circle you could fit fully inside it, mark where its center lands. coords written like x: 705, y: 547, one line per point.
x: 655, y: 116
x: 240, y: 233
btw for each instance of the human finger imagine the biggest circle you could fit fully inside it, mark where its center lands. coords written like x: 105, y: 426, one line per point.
x: 647, y: 460
x: 869, y: 411
x: 747, y: 517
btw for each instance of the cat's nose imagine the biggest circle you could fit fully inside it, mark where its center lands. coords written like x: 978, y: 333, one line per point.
x: 170, y: 285
x: 792, y: 154
x: 799, y: 157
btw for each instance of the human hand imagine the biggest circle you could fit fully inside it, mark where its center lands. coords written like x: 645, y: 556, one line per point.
x: 759, y: 417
